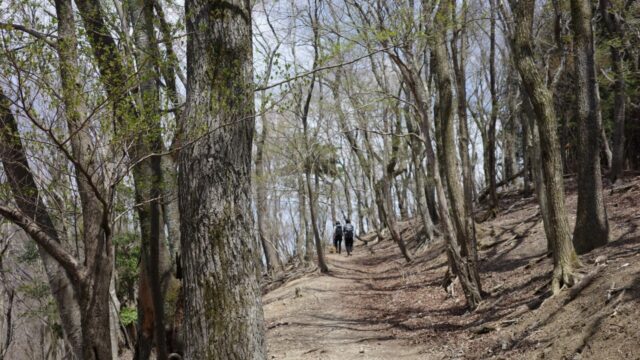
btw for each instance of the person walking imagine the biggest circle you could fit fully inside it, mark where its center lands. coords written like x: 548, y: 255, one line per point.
x: 348, y: 236
x: 337, y: 237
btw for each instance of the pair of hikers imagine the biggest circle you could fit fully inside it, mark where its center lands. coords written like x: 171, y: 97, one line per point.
x: 345, y: 231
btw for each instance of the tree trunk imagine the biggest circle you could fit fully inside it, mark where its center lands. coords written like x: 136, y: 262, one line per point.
x: 384, y: 190
x: 401, y: 195
x: 359, y: 206
x: 148, y: 184
x: 463, y: 129
x: 268, y: 246
x: 418, y: 173
x: 170, y: 210
x: 619, y: 115
x: 592, y: 226
x: 527, y: 151
x: 346, y: 182
x: 615, y: 34
x: 223, y: 310
x: 537, y: 172
x: 445, y: 129
x: 564, y: 255
x: 322, y: 264
x: 302, y: 244
x: 509, y: 129
x: 142, y: 110
x: 82, y: 148
x: 385, y: 207
x: 310, y: 159
x: 29, y: 202
x: 491, y: 130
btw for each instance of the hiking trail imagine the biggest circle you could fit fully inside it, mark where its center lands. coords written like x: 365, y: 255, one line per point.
x: 374, y: 305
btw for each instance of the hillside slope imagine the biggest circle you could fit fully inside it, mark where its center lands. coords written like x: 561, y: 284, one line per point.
x: 376, y: 306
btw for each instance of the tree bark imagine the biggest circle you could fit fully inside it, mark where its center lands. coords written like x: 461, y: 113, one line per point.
x: 526, y: 150
x: 615, y: 32
x: 302, y: 243
x: 418, y: 173
x: 268, y: 246
x: 155, y: 264
x: 490, y: 153
x: 592, y: 225
x: 509, y: 129
x: 537, y: 172
x: 310, y: 158
x: 463, y: 130
x: 445, y: 129
x: 29, y: 202
x: 619, y: 115
x: 564, y: 255
x: 82, y: 147
x: 223, y: 310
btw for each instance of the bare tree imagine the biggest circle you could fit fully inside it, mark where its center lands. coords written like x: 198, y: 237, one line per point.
x: 466, y: 267
x: 564, y: 255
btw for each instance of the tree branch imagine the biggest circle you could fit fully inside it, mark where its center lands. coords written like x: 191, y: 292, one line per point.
x: 322, y: 68
x: 38, y: 35
x: 50, y: 245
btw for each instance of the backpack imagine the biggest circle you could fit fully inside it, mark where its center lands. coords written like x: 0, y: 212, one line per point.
x: 338, y: 233
x: 348, y: 230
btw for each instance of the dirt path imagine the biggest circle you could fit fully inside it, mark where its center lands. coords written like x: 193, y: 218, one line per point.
x: 376, y: 306
x: 334, y: 316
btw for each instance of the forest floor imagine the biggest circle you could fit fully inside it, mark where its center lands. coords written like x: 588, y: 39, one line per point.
x: 374, y: 305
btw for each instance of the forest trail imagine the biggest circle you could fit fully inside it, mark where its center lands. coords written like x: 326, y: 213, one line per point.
x: 335, y: 316
x: 374, y: 305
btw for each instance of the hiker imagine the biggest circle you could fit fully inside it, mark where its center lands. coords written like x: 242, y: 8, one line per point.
x: 337, y: 237
x: 348, y: 237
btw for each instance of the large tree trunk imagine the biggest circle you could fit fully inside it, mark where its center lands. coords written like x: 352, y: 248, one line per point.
x: 223, y: 310
x: 564, y: 255
x: 592, y: 226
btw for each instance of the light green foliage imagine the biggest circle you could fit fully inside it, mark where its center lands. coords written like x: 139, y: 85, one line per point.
x: 127, y: 260
x: 128, y: 315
